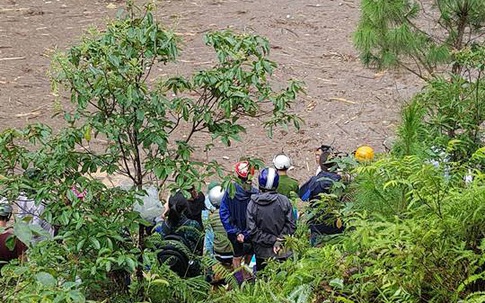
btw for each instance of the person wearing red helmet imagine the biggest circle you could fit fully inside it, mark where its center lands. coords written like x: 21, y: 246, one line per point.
x: 233, y: 215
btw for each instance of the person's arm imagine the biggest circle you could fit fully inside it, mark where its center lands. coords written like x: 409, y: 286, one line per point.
x: 290, y: 224
x: 226, y: 216
x: 306, y: 189
x: 296, y: 188
x: 256, y: 234
x: 21, y: 249
x: 201, y: 201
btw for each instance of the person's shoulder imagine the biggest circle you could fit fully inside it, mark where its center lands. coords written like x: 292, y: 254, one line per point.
x: 6, y: 233
x: 281, y: 197
x: 329, y: 174
x: 336, y: 176
x: 192, y: 223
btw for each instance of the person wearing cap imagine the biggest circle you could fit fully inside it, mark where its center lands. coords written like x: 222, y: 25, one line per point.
x: 287, y: 184
x: 233, y: 216
x: 311, y: 190
x: 270, y: 219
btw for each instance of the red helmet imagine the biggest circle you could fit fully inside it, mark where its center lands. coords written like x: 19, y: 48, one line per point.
x: 243, y: 170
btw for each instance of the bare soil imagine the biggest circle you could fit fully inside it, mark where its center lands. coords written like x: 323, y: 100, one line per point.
x: 346, y: 104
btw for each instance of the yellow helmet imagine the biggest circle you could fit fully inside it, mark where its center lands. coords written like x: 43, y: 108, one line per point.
x: 364, y: 153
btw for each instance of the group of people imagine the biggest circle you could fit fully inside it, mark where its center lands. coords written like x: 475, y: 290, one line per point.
x: 29, y: 211
x: 252, y: 220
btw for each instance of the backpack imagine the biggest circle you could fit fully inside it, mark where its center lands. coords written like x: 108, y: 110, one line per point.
x: 175, y: 253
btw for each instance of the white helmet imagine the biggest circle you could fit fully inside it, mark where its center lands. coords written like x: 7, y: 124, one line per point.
x: 215, y: 196
x: 281, y: 161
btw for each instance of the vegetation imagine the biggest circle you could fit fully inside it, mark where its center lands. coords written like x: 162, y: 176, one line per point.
x: 146, y: 124
x: 421, y: 37
x: 439, y: 42
x: 414, y: 217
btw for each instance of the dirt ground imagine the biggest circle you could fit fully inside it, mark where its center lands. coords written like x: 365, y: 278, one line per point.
x: 346, y: 104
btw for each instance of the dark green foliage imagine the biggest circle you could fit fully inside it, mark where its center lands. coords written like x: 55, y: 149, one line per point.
x: 448, y: 113
x: 418, y: 36
x: 145, y: 126
x: 414, y: 235
x: 412, y: 130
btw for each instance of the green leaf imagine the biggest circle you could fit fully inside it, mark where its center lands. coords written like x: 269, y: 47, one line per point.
x: 46, y: 279
x: 22, y: 232
x: 80, y: 245
x: 77, y: 296
x: 95, y: 242
x: 131, y: 264
x: 10, y: 242
x: 337, y: 283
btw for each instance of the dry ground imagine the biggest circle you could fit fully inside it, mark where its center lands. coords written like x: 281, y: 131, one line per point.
x: 346, y: 104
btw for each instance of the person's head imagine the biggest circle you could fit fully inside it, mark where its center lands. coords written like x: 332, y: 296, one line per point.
x: 193, y: 193
x: 322, y: 149
x: 177, y: 205
x: 364, y: 153
x: 243, y: 170
x: 282, y: 162
x: 5, y: 211
x: 268, y: 179
x: 215, y: 196
x: 323, y: 161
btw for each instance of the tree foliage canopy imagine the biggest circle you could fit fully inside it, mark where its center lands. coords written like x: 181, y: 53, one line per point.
x: 126, y: 120
x: 418, y: 36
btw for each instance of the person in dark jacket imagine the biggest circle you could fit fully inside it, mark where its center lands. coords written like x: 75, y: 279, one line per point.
x: 196, y: 206
x: 233, y: 216
x: 270, y: 218
x: 310, y: 191
x: 177, y: 223
x: 8, y: 253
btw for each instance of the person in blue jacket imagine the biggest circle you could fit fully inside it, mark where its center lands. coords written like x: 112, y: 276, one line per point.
x: 233, y: 217
x: 310, y: 191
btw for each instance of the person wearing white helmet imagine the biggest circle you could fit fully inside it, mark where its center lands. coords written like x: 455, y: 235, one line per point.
x: 282, y: 163
x: 7, y: 254
x: 222, y: 247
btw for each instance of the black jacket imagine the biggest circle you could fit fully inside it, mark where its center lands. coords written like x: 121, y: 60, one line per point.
x: 269, y: 216
x: 319, y: 184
